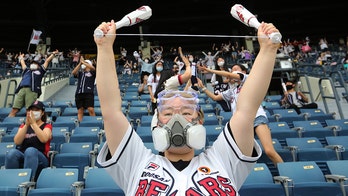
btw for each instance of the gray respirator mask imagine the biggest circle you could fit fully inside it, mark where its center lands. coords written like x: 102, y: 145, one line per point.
x: 179, y: 132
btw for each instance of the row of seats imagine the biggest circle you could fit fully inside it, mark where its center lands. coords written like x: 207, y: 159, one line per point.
x: 58, y: 181
x: 298, y: 178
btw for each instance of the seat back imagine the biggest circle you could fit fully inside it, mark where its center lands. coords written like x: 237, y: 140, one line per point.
x: 301, y: 171
x: 57, y: 178
x: 14, y: 177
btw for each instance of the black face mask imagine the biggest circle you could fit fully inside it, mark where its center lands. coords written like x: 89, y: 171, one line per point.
x: 289, y: 87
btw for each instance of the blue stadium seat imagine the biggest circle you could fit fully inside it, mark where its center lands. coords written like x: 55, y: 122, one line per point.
x: 312, y: 128
x: 340, y: 144
x: 307, y: 179
x: 74, y: 155
x: 210, y: 119
x: 145, y: 120
x: 287, y: 115
x: 60, y: 135
x: 145, y: 133
x: 11, y: 122
x: 316, y: 114
x: 135, y: 112
x: 338, y: 172
x: 12, y: 181
x: 99, y: 182
x: 311, y: 149
x: 4, y: 148
x: 260, y: 183
x: 92, y: 121
x: 213, y: 131
x: 86, y: 134
x: 339, y: 126
x: 55, y: 181
x: 66, y: 121
x: 281, y: 130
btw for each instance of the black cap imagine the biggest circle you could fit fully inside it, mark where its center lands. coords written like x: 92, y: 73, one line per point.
x: 37, y: 104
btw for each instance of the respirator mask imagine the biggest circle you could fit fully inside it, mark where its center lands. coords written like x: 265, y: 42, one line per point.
x: 179, y: 132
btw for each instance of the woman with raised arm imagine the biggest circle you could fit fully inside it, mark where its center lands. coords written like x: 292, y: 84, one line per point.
x: 221, y: 169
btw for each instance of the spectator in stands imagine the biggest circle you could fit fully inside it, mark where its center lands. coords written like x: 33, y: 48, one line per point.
x: 75, y: 55
x: 143, y: 88
x: 295, y: 99
x: 152, y: 83
x: 221, y: 83
x: 84, y: 95
x: 32, y: 140
x: 29, y: 89
x: 239, y: 76
x: 210, y: 59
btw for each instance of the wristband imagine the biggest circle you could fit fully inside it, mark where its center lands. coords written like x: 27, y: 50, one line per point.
x: 203, y: 89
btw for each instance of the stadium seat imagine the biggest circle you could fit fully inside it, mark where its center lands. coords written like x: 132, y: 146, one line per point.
x: 68, y: 111
x: 339, y: 126
x: 260, y: 183
x: 287, y: 115
x: 145, y: 133
x: 213, y: 131
x: 60, y: 135
x: 74, y: 155
x: 139, y: 103
x: 270, y: 98
x: 5, y: 111
x: 145, y: 120
x: 12, y: 181
x: 311, y: 149
x: 210, y: 119
x: 92, y: 121
x: 281, y: 130
x: 316, y: 114
x: 86, y: 134
x: 55, y: 181
x: 66, y: 121
x: 340, y: 144
x: 224, y: 117
x: 99, y: 182
x: 4, y: 148
x: 307, y: 179
x: 11, y: 122
x: 338, y: 172
x: 10, y: 136
x: 208, y: 108
x: 312, y: 128
x: 135, y: 112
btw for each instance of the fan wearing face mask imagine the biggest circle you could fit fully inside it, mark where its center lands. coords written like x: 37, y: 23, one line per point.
x: 295, y: 99
x: 29, y: 89
x: 84, y: 94
x: 33, y: 142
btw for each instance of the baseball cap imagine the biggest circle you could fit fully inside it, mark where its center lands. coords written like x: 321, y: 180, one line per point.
x: 37, y: 104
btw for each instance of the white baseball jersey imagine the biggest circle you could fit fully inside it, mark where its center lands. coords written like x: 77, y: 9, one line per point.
x: 219, y: 170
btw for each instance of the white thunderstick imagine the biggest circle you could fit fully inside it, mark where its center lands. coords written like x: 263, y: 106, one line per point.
x: 136, y: 16
x: 243, y: 15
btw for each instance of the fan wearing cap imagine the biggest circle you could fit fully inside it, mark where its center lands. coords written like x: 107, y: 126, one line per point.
x: 32, y: 140
x: 84, y: 94
x: 29, y: 89
x: 220, y: 169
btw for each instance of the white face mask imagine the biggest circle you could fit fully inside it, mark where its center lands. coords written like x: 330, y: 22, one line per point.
x: 146, y: 61
x: 83, y: 66
x: 33, y: 66
x: 191, y: 59
x: 37, y: 115
x: 221, y: 63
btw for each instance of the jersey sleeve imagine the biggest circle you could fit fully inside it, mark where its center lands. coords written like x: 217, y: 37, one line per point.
x: 231, y: 158
x: 130, y: 155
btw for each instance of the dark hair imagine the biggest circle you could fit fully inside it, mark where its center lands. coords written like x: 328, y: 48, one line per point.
x: 242, y: 67
x: 165, y: 75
